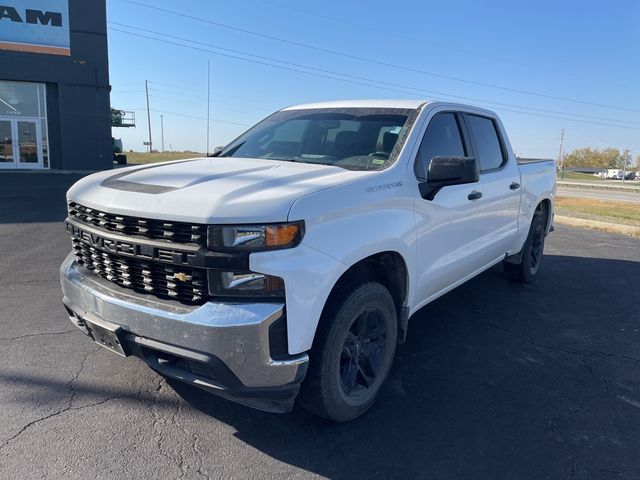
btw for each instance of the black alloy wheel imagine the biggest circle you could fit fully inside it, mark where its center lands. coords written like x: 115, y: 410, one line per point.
x: 362, y: 353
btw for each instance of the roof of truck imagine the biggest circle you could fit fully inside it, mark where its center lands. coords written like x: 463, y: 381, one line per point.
x: 412, y: 104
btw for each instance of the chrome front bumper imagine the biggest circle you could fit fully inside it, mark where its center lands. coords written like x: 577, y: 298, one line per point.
x: 231, y: 338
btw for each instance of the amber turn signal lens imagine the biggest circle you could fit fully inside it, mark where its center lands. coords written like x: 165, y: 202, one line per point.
x: 282, y: 235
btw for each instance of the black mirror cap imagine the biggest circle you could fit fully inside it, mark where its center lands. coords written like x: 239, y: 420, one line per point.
x: 445, y: 171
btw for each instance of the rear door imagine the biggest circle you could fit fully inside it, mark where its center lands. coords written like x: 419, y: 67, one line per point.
x: 500, y: 177
x: 447, y: 227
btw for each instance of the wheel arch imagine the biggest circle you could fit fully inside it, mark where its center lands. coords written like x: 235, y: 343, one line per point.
x: 544, y: 205
x: 388, y: 268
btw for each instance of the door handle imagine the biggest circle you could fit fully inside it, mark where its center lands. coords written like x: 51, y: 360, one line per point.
x: 514, y: 186
x: 475, y: 195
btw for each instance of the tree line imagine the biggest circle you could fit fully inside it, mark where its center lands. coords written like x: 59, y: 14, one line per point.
x: 599, y: 158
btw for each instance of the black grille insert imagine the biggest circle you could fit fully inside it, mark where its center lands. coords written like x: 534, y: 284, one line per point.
x: 185, y: 284
x: 176, y: 232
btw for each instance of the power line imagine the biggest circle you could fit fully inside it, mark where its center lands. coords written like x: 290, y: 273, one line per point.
x: 198, y: 97
x: 163, y: 84
x: 423, y: 40
x: 253, y: 61
x: 377, y: 62
x: 397, y: 90
x: 396, y: 34
x: 178, y: 94
x: 175, y: 99
x: 406, y: 87
x: 234, y: 108
x: 193, y: 116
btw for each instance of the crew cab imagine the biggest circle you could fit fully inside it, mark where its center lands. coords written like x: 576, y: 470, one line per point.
x: 288, y: 265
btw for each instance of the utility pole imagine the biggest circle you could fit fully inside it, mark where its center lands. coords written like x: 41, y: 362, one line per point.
x: 624, y: 167
x: 560, y: 160
x: 146, y: 89
x: 208, y: 101
x: 162, y: 131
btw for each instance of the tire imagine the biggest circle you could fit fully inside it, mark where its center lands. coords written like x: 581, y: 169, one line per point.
x: 352, y: 354
x: 527, y: 269
x: 122, y: 159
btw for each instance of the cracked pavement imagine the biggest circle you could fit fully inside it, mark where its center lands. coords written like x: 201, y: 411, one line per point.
x: 496, y: 380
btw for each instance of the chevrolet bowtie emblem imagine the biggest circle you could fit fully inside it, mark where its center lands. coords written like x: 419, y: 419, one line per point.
x: 181, y: 277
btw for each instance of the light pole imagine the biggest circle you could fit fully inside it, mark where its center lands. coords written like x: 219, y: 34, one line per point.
x: 560, y: 159
x: 146, y: 89
x: 208, y: 101
x: 162, y: 132
x: 624, y: 167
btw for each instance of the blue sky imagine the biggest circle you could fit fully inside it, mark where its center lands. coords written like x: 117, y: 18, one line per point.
x: 583, y: 51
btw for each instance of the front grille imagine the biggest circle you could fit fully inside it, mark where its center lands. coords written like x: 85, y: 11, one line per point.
x: 143, y: 276
x: 176, y: 232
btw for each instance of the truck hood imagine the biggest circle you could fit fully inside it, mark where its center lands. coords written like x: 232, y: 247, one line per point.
x: 208, y: 190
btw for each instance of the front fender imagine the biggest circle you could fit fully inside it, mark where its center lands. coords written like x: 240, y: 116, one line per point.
x: 309, y: 276
x: 344, y: 225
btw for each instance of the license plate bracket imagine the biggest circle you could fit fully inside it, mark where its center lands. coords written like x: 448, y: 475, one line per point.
x: 107, y: 335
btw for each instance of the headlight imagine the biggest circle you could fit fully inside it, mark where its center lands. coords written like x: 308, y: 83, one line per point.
x: 250, y: 238
x: 255, y: 238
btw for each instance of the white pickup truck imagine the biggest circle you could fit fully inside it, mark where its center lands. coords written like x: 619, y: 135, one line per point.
x: 288, y: 265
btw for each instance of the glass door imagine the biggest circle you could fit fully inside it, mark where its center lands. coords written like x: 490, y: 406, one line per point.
x: 29, y: 144
x: 6, y: 144
x: 20, y: 143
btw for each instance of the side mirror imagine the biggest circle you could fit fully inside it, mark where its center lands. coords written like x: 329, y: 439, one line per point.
x: 216, y: 151
x: 445, y: 171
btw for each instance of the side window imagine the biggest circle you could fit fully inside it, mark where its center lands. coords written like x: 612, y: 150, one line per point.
x: 442, y: 139
x: 487, y: 143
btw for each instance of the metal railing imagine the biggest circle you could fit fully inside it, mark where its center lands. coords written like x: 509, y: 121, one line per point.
x: 599, y: 186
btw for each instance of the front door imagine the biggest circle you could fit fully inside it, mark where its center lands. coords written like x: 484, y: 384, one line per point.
x: 20, y: 143
x: 448, y: 226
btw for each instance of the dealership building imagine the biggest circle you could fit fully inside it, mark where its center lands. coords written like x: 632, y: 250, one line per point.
x: 54, y: 85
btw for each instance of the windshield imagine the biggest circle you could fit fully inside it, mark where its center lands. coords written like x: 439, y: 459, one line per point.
x: 351, y: 138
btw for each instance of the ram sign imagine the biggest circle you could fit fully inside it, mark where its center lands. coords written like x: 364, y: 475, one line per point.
x: 38, y: 26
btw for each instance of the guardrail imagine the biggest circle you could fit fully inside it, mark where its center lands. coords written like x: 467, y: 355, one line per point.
x: 597, y: 186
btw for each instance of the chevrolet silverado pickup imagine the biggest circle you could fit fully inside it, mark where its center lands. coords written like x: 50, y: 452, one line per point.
x: 287, y: 266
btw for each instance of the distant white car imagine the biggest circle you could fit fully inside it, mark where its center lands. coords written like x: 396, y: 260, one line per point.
x: 292, y: 262
x: 615, y: 174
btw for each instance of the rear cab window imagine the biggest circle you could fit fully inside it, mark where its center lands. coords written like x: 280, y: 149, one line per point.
x: 487, y: 142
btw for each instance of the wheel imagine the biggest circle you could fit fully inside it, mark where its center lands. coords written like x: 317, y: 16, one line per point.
x: 526, y: 270
x: 352, y: 353
x: 122, y: 159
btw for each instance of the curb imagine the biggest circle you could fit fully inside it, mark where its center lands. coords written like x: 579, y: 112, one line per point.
x: 598, y: 225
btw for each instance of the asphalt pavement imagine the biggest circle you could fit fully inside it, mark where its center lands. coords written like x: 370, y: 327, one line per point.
x: 496, y: 380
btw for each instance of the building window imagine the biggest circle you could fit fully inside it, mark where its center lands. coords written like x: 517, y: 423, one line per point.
x: 23, y: 114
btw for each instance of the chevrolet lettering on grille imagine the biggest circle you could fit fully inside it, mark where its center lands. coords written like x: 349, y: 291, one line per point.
x: 117, y: 246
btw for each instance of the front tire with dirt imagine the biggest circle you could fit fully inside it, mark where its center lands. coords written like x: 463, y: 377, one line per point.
x: 352, y: 354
